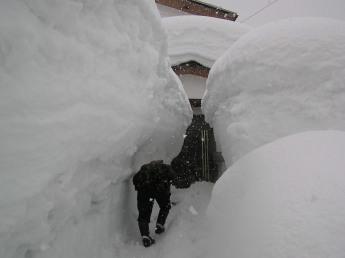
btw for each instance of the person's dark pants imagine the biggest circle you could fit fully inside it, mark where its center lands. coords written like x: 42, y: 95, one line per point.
x: 145, y: 201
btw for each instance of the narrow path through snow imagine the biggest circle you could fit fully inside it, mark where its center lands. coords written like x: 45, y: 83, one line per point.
x: 184, y: 226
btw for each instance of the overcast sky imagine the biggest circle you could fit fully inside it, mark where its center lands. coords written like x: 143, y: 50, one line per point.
x: 282, y: 9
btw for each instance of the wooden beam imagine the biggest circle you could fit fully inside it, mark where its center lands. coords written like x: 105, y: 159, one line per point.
x: 199, y: 8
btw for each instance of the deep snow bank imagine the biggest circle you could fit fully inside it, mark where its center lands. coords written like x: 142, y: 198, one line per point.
x: 280, y: 79
x: 285, y: 199
x: 86, y: 96
x: 200, y: 38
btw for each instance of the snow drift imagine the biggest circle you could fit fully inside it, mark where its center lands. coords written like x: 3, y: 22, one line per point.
x: 280, y: 79
x: 200, y: 38
x: 285, y: 199
x: 86, y: 97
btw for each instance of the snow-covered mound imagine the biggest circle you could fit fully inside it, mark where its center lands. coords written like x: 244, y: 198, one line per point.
x: 285, y: 199
x: 200, y: 38
x: 86, y: 96
x: 283, y: 78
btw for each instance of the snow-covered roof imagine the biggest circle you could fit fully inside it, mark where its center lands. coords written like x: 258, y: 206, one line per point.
x: 199, y: 38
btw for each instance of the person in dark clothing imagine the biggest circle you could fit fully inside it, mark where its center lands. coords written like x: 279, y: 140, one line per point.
x: 152, y: 182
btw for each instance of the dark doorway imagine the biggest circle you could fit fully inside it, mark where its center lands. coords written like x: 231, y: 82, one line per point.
x: 198, y: 159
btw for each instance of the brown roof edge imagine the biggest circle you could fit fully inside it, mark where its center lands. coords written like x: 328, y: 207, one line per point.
x: 212, y: 6
x: 199, y: 8
x: 191, y: 67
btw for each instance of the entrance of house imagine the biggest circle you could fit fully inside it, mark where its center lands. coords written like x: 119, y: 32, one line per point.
x: 198, y: 159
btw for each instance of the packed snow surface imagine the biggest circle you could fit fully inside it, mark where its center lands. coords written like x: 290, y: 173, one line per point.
x: 185, y: 227
x: 285, y: 199
x: 200, y: 38
x: 280, y: 79
x: 86, y: 96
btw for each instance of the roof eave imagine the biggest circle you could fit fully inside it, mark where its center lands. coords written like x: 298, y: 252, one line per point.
x: 228, y: 15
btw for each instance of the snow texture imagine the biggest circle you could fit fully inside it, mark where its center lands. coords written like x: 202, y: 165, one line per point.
x: 184, y: 230
x: 280, y: 79
x: 200, y: 38
x: 86, y: 97
x: 285, y: 199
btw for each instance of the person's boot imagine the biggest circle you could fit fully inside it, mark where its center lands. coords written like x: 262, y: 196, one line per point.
x: 144, y: 228
x: 145, y: 233
x: 159, y: 228
x: 162, y: 216
x: 148, y: 241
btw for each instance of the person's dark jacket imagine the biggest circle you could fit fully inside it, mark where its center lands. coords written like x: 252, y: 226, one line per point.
x: 154, y: 176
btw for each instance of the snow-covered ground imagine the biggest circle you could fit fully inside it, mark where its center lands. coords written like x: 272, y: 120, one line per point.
x: 199, y: 38
x: 86, y: 96
x: 285, y: 199
x: 186, y: 227
x: 280, y: 79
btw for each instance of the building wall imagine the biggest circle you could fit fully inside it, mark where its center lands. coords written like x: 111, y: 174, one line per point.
x: 194, y: 85
x: 166, y: 11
